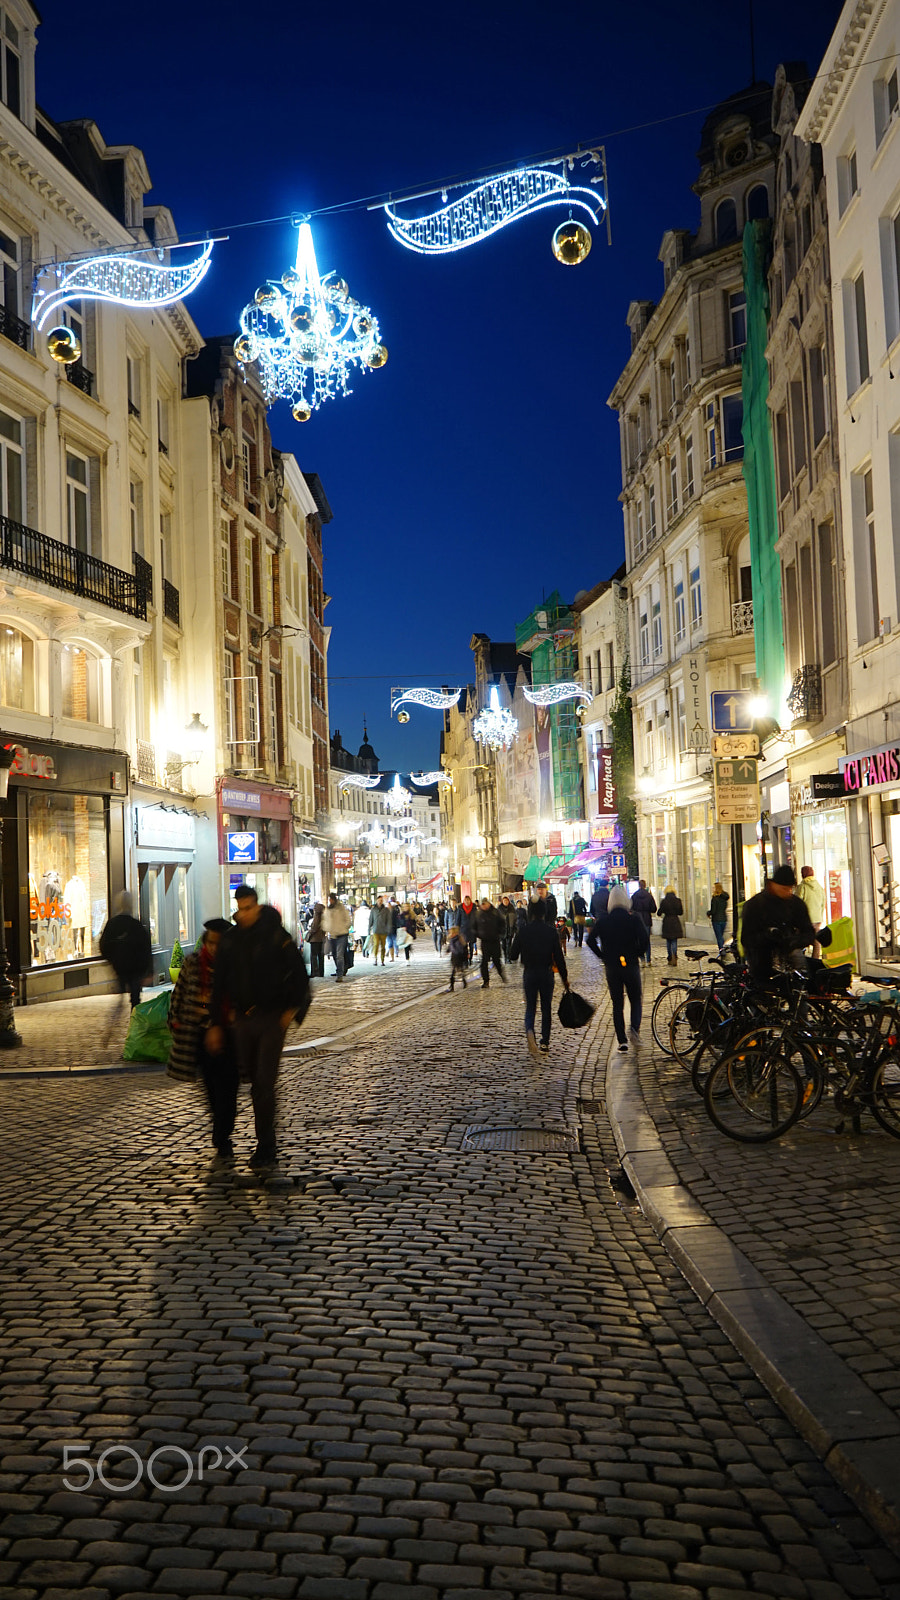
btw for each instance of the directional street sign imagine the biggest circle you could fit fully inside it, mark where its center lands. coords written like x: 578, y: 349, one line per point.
x: 730, y: 710
x: 737, y: 791
x: 735, y: 744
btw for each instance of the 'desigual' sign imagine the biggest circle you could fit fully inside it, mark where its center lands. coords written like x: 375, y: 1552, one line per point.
x: 873, y: 769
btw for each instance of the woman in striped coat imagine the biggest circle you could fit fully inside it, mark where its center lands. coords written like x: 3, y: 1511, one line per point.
x: 189, y: 1020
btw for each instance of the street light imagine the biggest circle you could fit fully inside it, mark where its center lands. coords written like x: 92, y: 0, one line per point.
x: 9, y: 1038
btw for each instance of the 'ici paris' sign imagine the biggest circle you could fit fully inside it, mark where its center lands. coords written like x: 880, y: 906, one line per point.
x: 871, y: 770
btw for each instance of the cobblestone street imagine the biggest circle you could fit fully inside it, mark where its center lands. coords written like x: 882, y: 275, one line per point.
x: 456, y: 1370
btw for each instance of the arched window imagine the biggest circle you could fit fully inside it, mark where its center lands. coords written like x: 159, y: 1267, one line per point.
x: 16, y: 669
x: 726, y: 222
x: 757, y: 202
x: 80, y: 684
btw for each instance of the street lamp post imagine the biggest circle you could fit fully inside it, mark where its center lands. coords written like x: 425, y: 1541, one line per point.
x: 9, y: 1038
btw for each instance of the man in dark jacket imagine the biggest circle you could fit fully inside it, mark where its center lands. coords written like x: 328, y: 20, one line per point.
x: 619, y: 938
x: 490, y: 927
x: 578, y: 911
x: 599, y: 900
x: 260, y: 986
x: 537, y: 942
x: 644, y: 907
x: 465, y: 922
x: 125, y: 944
x: 551, y: 909
x: 776, y: 923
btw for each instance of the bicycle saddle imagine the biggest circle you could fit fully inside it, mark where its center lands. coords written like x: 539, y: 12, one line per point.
x: 696, y: 955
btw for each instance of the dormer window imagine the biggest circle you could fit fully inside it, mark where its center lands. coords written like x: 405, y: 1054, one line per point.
x: 10, y: 65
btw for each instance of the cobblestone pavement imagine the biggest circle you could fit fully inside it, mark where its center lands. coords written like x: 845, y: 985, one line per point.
x: 456, y: 1372
x: 70, y: 1035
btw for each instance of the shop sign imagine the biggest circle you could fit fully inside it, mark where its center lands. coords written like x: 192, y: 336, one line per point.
x: 164, y: 830
x: 607, y: 803
x: 554, y: 844
x: 737, y: 791
x: 241, y: 846
x: 605, y: 830
x: 696, y: 704
x: 241, y: 800
x: 343, y: 859
x: 27, y: 765
x: 875, y: 769
x: 827, y: 786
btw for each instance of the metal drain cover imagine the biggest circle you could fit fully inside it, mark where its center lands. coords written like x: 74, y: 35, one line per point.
x: 561, y: 1139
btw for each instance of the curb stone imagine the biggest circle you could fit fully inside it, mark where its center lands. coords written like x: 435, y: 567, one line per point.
x: 854, y: 1434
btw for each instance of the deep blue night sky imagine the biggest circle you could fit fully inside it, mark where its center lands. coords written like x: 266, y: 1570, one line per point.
x: 480, y: 468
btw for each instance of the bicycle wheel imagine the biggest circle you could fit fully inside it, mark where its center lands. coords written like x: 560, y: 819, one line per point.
x: 754, y: 1094
x: 885, y: 1089
x: 668, y: 998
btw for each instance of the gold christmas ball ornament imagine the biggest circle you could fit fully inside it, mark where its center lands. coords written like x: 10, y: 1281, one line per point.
x: 378, y: 356
x: 266, y: 297
x: 291, y: 279
x: 64, y: 346
x: 571, y: 243
x: 402, y: 716
x: 245, y: 348
x: 363, y: 325
x: 301, y: 319
x: 340, y: 289
x: 301, y: 410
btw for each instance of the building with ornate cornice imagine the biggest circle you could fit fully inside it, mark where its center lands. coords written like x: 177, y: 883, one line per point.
x: 687, y: 545
x: 94, y: 685
x: 853, y: 112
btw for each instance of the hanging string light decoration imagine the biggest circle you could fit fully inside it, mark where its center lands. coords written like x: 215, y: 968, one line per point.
x: 495, y: 726
x: 552, y: 694
x: 495, y: 202
x: 424, y: 780
x: 397, y: 798
x: 424, y: 697
x: 305, y: 334
x: 125, y: 280
x: 355, y: 780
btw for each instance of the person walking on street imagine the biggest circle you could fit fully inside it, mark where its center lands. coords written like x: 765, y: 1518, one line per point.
x: 510, y: 917
x: 551, y: 911
x: 407, y: 930
x: 812, y: 893
x: 599, y: 900
x: 465, y: 921
x: 537, y: 943
x: 671, y: 911
x: 490, y: 927
x: 316, y: 939
x: 337, y: 922
x: 260, y: 986
x: 189, y: 1014
x: 619, y: 938
x: 459, y: 956
x: 391, y: 941
x: 381, y: 923
x: 435, y: 921
x: 644, y: 907
x: 361, y: 927
x: 125, y: 944
x: 578, y: 911
x: 718, y: 913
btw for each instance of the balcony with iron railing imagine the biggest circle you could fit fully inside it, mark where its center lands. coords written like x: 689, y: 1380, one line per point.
x: 13, y: 328
x: 80, y: 377
x: 171, y: 602
x: 61, y: 566
x: 742, y: 616
x: 805, y: 699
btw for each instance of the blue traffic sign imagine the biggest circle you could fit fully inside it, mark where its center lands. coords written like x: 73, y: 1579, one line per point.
x: 730, y: 710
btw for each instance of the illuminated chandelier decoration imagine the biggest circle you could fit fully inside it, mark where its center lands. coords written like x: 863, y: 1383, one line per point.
x: 397, y: 798
x: 304, y: 334
x: 355, y: 780
x: 552, y: 694
x: 494, y: 203
x: 495, y: 727
x: 424, y: 780
x: 424, y: 697
x: 124, y: 280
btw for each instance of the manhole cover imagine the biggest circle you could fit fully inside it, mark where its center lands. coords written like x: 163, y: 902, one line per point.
x: 561, y: 1139
x: 592, y: 1108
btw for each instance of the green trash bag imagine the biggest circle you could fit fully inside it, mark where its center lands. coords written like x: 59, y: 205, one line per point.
x: 149, y: 1038
x: 177, y: 961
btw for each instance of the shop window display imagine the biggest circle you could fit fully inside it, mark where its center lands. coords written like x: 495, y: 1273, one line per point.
x: 68, y: 876
x: 16, y: 670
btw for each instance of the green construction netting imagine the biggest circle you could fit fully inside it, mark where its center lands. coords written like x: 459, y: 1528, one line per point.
x: 759, y: 469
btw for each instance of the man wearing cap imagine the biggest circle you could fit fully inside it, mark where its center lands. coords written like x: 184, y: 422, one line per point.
x: 775, y: 924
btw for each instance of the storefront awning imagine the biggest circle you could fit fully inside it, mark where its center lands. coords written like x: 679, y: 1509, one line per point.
x: 587, y: 861
x: 533, y: 870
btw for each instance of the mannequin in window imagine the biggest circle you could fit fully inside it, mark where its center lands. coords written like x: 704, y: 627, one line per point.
x: 75, y: 896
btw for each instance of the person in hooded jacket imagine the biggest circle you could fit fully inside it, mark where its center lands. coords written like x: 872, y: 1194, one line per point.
x: 644, y: 906
x: 316, y: 939
x: 671, y: 911
x: 260, y: 986
x: 619, y: 938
